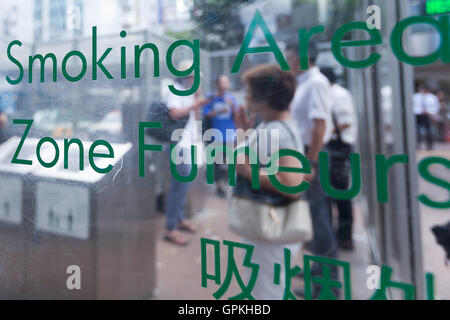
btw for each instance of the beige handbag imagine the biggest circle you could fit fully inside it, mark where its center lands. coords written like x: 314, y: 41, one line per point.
x: 266, y: 223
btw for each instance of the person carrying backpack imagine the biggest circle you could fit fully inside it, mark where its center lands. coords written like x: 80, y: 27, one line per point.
x: 180, y: 107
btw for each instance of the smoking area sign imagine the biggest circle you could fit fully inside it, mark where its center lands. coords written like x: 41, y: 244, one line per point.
x: 62, y: 209
x: 11, y: 200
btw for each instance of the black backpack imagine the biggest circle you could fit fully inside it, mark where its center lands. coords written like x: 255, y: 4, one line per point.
x: 442, y: 234
x: 158, y: 112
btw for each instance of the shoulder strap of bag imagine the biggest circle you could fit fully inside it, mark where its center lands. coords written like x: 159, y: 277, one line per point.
x: 336, y: 126
x: 290, y: 133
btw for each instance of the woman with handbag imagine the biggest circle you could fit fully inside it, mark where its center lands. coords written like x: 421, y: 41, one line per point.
x: 268, y: 219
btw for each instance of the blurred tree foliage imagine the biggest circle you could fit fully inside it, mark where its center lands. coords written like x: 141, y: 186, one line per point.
x: 339, y: 12
x: 185, y: 34
x: 218, y: 23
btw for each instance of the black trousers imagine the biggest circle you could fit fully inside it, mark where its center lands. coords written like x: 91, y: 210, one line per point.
x: 324, y: 243
x: 340, y: 177
x: 424, y: 122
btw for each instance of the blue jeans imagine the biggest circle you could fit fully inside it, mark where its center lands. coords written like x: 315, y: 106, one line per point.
x: 177, y: 197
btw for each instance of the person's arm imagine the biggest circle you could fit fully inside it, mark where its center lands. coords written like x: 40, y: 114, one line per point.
x: 342, y: 127
x: 211, y: 114
x: 320, y: 109
x: 290, y: 179
x: 345, y: 112
x: 178, y: 113
x: 316, y: 143
x: 436, y: 106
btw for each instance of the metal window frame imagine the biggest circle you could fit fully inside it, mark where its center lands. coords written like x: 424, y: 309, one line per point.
x: 393, y: 228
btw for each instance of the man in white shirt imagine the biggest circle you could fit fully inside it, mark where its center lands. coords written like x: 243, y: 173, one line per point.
x: 181, y: 107
x: 311, y: 108
x: 340, y: 147
x: 425, y: 106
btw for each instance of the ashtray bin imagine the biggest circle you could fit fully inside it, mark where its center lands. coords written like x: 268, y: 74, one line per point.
x: 101, y: 224
x: 16, y: 201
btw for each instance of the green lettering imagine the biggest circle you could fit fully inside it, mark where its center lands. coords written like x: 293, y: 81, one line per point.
x: 42, y: 60
x: 67, y: 144
x: 382, y: 168
x: 303, y: 39
x: 195, y: 68
x: 38, y: 152
x: 305, y: 169
x: 15, y: 159
x: 146, y: 147
x: 173, y: 166
x: 137, y: 59
x: 443, y: 51
x: 355, y: 165
x: 272, y: 47
x: 337, y: 44
x: 204, y: 253
x: 16, y: 62
x: 98, y: 63
x: 424, y: 172
x: 83, y: 67
x: 93, y: 154
x: 210, y: 156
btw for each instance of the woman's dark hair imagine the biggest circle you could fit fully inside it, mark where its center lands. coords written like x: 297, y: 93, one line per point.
x: 269, y: 83
x: 329, y: 73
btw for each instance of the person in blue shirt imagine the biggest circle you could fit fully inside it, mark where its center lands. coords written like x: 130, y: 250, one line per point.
x: 219, y: 114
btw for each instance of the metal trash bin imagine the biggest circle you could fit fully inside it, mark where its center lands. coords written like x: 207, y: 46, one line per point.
x: 16, y: 200
x: 100, y: 223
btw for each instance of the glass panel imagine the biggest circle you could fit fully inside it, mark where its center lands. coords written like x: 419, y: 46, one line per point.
x: 88, y: 190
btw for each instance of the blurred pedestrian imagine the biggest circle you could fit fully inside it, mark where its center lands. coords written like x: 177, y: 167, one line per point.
x: 426, y: 105
x: 219, y: 114
x: 340, y: 147
x: 269, y: 91
x: 311, y: 108
x: 3, y: 125
x: 180, y: 107
x: 440, y: 119
x: 3, y: 117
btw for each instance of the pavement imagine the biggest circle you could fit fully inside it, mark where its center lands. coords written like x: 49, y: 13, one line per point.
x: 179, y: 268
